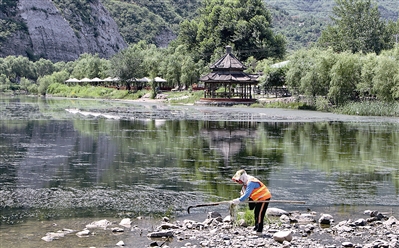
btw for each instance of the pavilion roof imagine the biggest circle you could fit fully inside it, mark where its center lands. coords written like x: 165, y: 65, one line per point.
x: 228, y: 69
x: 229, y: 62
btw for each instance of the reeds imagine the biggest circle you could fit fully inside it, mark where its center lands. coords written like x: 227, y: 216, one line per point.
x: 370, y: 108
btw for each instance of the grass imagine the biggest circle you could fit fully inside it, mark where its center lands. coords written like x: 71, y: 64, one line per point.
x: 184, y: 97
x: 370, y: 108
x: 363, y: 108
x: 77, y: 91
x: 248, y: 217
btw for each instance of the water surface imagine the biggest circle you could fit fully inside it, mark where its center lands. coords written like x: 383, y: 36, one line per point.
x: 114, y: 159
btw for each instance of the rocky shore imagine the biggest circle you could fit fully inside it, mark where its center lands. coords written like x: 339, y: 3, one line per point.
x: 294, y: 229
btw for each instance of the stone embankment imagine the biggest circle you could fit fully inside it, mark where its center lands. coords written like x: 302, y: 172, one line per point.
x: 376, y: 230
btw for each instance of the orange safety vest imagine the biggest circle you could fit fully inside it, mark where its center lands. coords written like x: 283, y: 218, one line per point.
x: 259, y: 194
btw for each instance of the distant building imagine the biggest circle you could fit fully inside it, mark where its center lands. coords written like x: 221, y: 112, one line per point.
x: 228, y: 82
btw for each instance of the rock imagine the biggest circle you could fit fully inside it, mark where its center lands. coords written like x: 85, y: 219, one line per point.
x: 227, y: 219
x: 215, y: 233
x: 285, y: 219
x: 242, y: 222
x: 282, y: 236
x: 360, y: 222
x: 214, y: 215
x: 99, y: 224
x: 305, y: 218
x: 60, y: 35
x: 161, y: 234
x: 326, y: 219
x: 117, y: 229
x: 275, y: 212
x: 347, y: 244
x: 168, y: 226
x: 83, y: 233
x: 51, y: 236
x: 126, y: 223
x: 391, y: 221
x: 120, y: 243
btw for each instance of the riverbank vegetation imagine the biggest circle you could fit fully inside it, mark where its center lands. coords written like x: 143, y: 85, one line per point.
x: 358, y: 76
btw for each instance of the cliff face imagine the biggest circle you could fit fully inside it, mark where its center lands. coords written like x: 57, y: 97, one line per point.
x: 50, y: 34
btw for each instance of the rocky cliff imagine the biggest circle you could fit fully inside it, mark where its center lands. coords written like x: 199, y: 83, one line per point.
x: 59, y: 35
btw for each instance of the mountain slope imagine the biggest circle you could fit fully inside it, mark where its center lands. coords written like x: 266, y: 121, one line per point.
x: 44, y: 29
x: 301, y: 21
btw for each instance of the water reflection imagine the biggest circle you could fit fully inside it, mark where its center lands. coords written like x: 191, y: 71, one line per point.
x: 94, y: 166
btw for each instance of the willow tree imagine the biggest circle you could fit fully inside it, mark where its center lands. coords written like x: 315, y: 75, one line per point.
x: 128, y: 64
x: 357, y: 27
x: 243, y: 24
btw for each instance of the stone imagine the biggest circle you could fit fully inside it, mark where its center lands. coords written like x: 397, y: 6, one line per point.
x: 99, y: 224
x: 120, y: 243
x: 126, y: 223
x: 83, y: 233
x: 227, y: 218
x: 282, y: 236
x: 326, y: 219
x: 360, y: 222
x: 285, y: 219
x: 275, y: 212
x: 117, y: 229
x: 214, y: 215
x: 160, y: 234
x: 347, y: 244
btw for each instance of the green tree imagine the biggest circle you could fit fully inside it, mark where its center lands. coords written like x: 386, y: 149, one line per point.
x: 56, y: 77
x: 129, y: 63
x: 317, y: 78
x: 365, y: 86
x: 17, y: 67
x: 243, y: 24
x: 5, y: 83
x: 44, y: 67
x: 90, y: 66
x: 386, y: 85
x: 357, y: 27
x: 300, y: 63
x: 345, y: 75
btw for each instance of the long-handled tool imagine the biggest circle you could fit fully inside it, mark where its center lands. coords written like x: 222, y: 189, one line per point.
x: 225, y: 202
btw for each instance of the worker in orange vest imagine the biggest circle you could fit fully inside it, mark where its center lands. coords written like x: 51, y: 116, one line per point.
x: 254, y: 190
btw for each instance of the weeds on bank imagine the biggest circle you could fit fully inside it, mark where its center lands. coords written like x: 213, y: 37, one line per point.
x: 287, y: 105
x: 248, y: 216
x: 370, y: 108
x: 184, y: 97
x: 87, y: 91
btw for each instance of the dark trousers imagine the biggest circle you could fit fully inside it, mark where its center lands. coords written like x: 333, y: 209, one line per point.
x: 259, y: 214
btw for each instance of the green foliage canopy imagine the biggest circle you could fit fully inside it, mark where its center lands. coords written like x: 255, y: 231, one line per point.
x: 357, y: 27
x: 243, y: 24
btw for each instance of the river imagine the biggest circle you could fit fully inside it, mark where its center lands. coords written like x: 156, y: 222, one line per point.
x: 67, y: 162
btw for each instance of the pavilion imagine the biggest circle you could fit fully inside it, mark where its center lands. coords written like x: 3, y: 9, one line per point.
x: 227, y: 82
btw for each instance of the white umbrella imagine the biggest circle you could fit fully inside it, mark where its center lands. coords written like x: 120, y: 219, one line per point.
x: 159, y: 80
x: 108, y: 79
x: 96, y: 79
x: 85, y: 80
x: 144, y: 80
x: 72, y: 80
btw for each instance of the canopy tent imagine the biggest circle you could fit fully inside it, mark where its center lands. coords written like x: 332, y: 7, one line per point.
x: 72, y: 80
x: 159, y: 80
x: 144, y: 80
x: 85, y: 80
x: 96, y: 79
x: 108, y: 79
